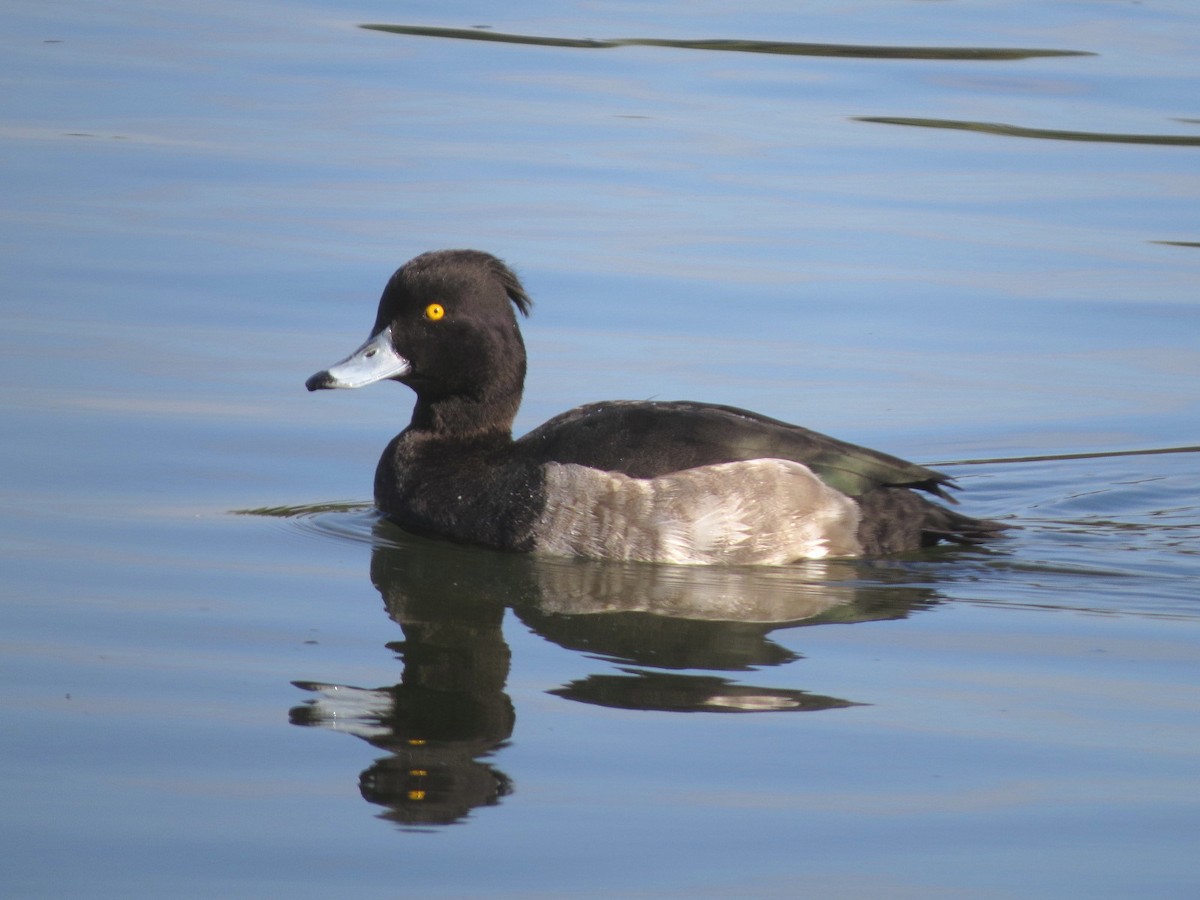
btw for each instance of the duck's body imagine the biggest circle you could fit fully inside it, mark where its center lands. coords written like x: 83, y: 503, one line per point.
x: 673, y: 482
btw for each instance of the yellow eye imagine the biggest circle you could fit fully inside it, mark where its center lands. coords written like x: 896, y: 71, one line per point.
x: 434, y: 311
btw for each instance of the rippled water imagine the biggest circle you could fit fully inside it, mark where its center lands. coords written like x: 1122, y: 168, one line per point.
x: 962, y: 233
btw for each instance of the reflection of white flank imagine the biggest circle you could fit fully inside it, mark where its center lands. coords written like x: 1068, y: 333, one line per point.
x: 752, y: 702
x: 773, y: 595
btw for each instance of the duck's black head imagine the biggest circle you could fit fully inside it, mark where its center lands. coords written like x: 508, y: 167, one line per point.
x: 446, y: 327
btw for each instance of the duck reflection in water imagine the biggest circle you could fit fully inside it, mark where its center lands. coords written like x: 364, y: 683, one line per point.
x: 450, y: 713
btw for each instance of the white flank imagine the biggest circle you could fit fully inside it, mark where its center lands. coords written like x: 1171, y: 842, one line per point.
x: 758, y: 512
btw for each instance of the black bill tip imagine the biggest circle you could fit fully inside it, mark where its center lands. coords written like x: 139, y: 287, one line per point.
x: 320, y: 381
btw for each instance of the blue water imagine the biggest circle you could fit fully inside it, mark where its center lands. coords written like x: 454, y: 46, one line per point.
x: 224, y: 676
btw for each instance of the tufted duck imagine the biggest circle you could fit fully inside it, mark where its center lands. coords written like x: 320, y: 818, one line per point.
x: 676, y: 482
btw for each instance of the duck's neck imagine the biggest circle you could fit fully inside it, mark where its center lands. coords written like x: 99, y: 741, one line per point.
x: 465, y: 418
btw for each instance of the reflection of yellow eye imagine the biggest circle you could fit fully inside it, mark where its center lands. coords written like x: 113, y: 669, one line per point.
x: 434, y: 311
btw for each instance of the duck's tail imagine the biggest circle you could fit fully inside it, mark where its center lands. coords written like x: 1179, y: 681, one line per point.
x: 947, y: 525
x: 895, y: 520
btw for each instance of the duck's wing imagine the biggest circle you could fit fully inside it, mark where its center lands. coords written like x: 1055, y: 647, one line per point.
x: 646, y: 439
